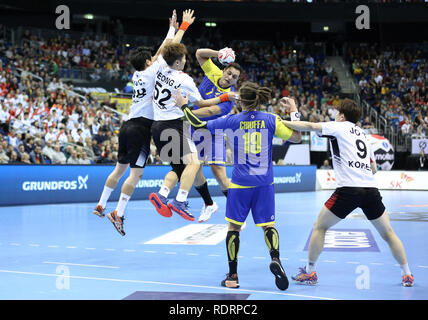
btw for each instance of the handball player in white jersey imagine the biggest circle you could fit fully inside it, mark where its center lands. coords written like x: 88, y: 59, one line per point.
x: 354, y: 167
x: 135, y: 133
x: 171, y: 133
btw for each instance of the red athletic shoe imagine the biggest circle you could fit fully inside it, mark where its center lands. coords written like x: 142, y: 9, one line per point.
x: 161, y: 204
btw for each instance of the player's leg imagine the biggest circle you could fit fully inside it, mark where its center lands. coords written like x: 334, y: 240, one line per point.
x: 336, y: 208
x: 271, y: 236
x: 375, y: 212
x: 128, y: 187
x: 218, y: 162
x: 263, y: 210
x: 209, y: 206
x: 189, y: 156
x: 237, y: 208
x: 326, y: 219
x: 180, y: 205
x: 109, y: 186
x: 219, y: 172
x: 160, y: 199
x: 137, y: 144
x: 385, y: 230
x: 214, y: 155
x: 122, y: 165
x: 201, y: 186
x: 232, y: 249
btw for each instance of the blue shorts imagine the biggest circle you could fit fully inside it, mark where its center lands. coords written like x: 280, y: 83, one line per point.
x: 260, y: 200
x: 213, y: 151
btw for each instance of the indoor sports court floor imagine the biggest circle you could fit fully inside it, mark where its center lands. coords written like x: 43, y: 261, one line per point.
x: 63, y: 251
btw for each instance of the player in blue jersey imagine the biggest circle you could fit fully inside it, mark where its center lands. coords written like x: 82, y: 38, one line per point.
x: 215, y: 83
x: 250, y: 134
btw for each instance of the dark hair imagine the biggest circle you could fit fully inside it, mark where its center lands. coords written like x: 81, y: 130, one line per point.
x: 351, y: 110
x: 139, y: 56
x: 235, y: 65
x: 252, y: 95
x: 172, y: 52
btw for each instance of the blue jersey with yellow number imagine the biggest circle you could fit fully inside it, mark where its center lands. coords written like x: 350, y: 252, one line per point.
x: 250, y: 135
x: 210, y: 88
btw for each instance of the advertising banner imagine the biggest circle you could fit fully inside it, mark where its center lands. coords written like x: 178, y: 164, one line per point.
x: 386, y: 180
x: 418, y: 145
x: 383, y: 151
x: 45, y: 184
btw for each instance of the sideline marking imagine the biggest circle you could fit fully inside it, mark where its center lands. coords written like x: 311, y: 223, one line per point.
x: 167, y: 283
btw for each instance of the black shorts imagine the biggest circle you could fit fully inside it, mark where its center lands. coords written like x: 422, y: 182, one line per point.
x: 344, y: 200
x: 173, y: 140
x: 134, y: 142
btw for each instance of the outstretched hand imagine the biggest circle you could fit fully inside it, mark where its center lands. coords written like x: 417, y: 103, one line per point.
x: 173, y: 21
x: 188, y: 16
x: 180, y: 100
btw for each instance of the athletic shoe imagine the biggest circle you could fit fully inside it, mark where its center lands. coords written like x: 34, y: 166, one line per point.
x: 99, y: 211
x: 161, y: 204
x: 304, y: 278
x: 207, y: 211
x: 117, y: 222
x: 408, y: 280
x: 182, y: 209
x: 281, y: 279
x: 231, y: 281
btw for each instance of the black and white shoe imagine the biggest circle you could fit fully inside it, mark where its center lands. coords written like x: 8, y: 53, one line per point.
x: 281, y: 279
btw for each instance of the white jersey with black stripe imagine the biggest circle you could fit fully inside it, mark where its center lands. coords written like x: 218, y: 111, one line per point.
x: 352, y: 154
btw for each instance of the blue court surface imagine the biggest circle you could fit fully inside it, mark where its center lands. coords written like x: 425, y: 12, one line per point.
x: 63, y: 251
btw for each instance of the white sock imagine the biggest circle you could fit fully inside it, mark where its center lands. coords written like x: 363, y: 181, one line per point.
x: 164, y: 191
x: 310, y: 267
x: 405, y: 270
x: 105, y: 196
x: 121, y: 205
x: 181, y: 195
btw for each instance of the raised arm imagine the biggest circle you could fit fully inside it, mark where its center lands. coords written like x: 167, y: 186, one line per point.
x: 173, y: 35
x: 202, y: 55
x: 188, y: 19
x: 173, y: 26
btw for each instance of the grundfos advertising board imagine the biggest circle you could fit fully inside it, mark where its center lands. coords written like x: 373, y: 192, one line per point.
x: 45, y: 184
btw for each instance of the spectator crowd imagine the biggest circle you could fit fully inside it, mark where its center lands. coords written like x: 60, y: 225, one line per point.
x: 44, y: 121
x: 394, y: 83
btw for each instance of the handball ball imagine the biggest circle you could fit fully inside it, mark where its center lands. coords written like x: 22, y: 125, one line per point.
x: 226, y: 56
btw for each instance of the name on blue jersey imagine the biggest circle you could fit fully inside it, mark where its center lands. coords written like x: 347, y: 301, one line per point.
x: 256, y: 124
